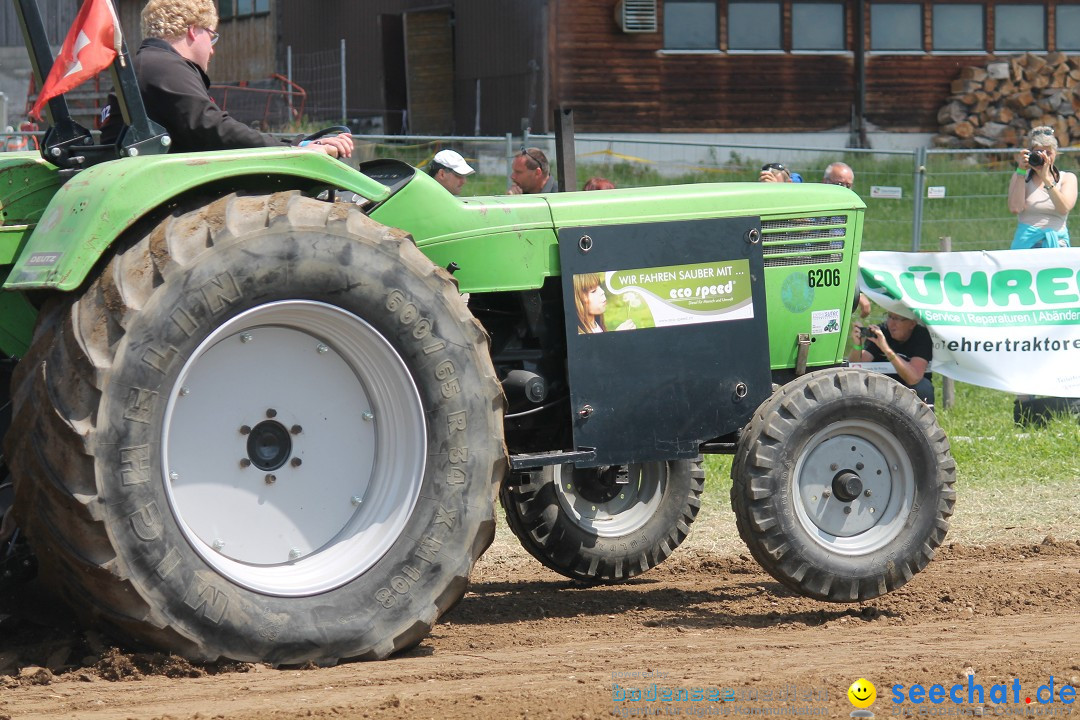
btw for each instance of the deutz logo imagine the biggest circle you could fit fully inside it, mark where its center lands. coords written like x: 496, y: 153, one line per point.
x: 44, y: 259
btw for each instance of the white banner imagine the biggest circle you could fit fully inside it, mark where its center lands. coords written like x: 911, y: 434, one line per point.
x: 1005, y: 319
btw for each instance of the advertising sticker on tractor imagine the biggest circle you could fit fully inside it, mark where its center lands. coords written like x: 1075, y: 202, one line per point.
x: 823, y: 322
x: 664, y: 296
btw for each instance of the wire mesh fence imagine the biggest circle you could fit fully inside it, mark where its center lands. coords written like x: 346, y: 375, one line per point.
x: 320, y: 75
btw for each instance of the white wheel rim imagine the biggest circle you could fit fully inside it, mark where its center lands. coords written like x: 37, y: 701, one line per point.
x: 877, y: 515
x: 353, y: 418
x: 625, y: 512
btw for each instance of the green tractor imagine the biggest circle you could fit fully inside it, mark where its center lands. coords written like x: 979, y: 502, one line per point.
x: 253, y: 420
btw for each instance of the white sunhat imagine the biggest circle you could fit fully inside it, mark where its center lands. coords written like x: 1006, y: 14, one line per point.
x: 453, y: 161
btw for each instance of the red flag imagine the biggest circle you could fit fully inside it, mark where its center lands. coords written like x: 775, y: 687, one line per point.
x: 91, y: 44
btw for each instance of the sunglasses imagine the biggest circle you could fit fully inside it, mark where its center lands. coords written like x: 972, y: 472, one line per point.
x: 540, y: 163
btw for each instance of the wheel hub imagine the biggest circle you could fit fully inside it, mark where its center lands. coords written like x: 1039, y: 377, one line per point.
x: 269, y: 445
x: 601, y: 484
x: 847, y: 485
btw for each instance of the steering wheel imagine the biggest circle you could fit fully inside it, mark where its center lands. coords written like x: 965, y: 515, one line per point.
x: 332, y: 130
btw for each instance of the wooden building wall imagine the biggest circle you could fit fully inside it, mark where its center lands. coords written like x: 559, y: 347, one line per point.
x: 56, y: 16
x: 248, y: 49
x: 624, y: 82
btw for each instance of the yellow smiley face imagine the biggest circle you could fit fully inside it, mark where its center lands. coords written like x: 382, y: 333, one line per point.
x: 862, y: 693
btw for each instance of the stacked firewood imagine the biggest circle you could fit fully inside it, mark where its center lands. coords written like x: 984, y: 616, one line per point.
x: 996, y: 105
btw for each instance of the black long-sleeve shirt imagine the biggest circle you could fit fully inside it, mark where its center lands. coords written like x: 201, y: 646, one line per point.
x: 176, y: 94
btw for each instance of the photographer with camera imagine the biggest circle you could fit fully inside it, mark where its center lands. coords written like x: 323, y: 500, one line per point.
x: 1040, y: 195
x: 777, y: 173
x: 903, y: 343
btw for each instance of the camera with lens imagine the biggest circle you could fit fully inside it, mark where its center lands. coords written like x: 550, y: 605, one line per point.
x: 864, y: 332
x: 1036, y: 158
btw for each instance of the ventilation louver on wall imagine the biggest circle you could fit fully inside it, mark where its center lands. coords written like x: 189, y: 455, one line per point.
x: 636, y: 16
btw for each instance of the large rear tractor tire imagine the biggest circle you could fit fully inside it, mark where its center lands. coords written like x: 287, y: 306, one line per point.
x: 604, y: 525
x: 843, y: 485
x: 269, y: 431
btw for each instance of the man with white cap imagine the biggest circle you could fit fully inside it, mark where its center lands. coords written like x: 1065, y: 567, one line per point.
x: 450, y: 170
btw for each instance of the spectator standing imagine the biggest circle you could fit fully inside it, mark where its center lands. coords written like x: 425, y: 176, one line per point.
x: 775, y: 172
x: 598, y: 183
x: 839, y: 173
x: 171, y: 66
x: 531, y: 173
x: 903, y: 343
x: 1041, y: 195
x: 450, y: 170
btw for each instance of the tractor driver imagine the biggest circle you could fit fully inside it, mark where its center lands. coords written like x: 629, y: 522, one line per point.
x: 171, y: 67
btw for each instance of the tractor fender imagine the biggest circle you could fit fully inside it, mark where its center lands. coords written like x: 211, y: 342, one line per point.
x: 99, y: 204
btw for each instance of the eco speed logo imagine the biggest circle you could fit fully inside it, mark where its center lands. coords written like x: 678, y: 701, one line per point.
x: 1007, y: 698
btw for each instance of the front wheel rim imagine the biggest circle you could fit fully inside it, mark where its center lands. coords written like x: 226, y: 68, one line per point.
x: 854, y: 486
x: 327, y: 484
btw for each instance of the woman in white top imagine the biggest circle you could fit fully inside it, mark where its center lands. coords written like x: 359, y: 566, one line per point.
x: 1040, y: 195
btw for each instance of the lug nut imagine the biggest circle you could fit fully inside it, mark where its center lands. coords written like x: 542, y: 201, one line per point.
x: 859, y: 466
x: 244, y: 462
x: 271, y: 412
x: 295, y: 462
x: 847, y: 509
x: 271, y: 479
x: 323, y: 349
x: 825, y: 494
x: 867, y: 493
x: 245, y: 429
x: 296, y: 429
x: 834, y: 467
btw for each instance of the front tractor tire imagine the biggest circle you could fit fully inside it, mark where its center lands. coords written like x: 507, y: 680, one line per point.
x: 269, y: 431
x: 607, y: 524
x: 843, y: 485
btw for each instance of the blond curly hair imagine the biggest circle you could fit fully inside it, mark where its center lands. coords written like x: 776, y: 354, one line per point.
x: 170, y: 19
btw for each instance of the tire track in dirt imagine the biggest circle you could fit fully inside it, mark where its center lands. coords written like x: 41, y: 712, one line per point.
x: 526, y: 643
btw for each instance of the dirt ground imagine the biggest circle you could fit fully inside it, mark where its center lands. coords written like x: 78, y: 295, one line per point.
x: 525, y: 643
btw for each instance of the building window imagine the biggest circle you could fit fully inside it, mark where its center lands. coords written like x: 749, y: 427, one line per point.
x: 958, y: 27
x: 817, y: 26
x: 690, y: 25
x: 1068, y: 28
x: 754, y: 26
x: 228, y: 9
x: 896, y: 26
x: 1019, y: 27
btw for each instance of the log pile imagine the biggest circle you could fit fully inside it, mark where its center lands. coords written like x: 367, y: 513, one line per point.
x: 995, y: 106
